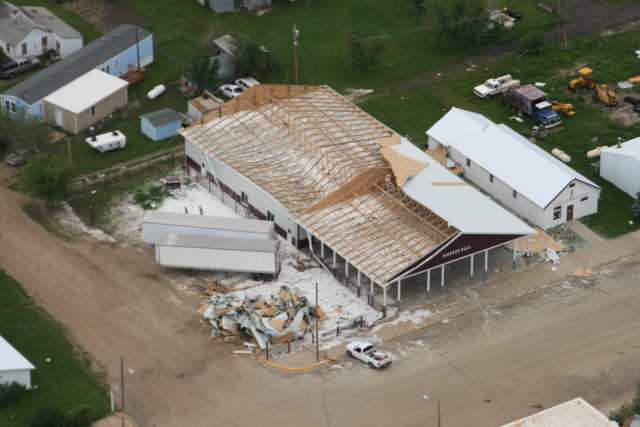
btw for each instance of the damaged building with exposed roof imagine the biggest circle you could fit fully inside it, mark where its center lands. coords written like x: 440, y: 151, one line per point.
x: 329, y: 174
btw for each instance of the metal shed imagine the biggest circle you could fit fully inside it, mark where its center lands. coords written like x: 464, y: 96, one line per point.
x: 161, y: 124
x: 156, y: 223
x: 218, y: 253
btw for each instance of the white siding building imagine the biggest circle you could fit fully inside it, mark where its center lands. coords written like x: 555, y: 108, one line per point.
x: 30, y: 30
x: 13, y: 365
x: 621, y: 166
x: 519, y: 174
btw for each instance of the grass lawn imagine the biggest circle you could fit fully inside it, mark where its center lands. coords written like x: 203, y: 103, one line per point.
x: 610, y: 57
x: 66, y: 381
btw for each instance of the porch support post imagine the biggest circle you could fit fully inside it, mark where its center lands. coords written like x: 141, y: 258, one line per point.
x: 359, y: 278
x: 334, y: 260
x: 515, y: 249
x: 528, y: 250
x: 486, y: 264
x: 371, y: 286
x: 442, y: 280
x: 428, y: 284
x: 322, y: 251
x: 384, y: 296
x: 346, y: 269
x: 399, y: 293
x: 471, y: 271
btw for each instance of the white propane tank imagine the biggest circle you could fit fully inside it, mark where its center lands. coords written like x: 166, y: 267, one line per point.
x: 561, y: 155
x: 595, y: 152
x: 155, y: 92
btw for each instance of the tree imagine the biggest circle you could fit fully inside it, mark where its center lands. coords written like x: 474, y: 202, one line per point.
x: 248, y: 57
x: 418, y: 4
x: 24, y: 131
x: 635, y: 208
x: 202, y: 70
x: 50, y: 416
x: 459, y: 23
x: 47, y: 178
x: 364, y: 54
x: 532, y: 42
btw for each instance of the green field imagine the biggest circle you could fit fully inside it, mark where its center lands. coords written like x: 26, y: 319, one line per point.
x: 66, y: 381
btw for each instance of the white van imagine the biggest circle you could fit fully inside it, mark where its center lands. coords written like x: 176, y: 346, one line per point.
x: 246, y: 82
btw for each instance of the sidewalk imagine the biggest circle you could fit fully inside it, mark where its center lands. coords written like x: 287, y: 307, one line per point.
x: 499, y: 289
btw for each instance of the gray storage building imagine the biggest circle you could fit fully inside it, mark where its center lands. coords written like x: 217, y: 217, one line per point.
x: 156, y: 223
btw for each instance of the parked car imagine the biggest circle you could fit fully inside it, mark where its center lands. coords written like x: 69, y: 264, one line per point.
x: 366, y: 352
x: 230, y: 91
x: 246, y: 82
x: 20, y: 157
x: 10, y: 69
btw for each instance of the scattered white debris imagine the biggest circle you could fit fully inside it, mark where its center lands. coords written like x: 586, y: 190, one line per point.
x: 517, y: 119
x: 538, y: 84
x: 625, y: 84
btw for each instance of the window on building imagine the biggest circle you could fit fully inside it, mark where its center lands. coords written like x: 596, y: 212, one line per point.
x: 584, y: 199
x: 117, y: 62
x: 93, y: 110
x: 573, y: 184
x: 468, y: 162
x: 45, y: 42
x: 244, y: 197
x: 10, y: 106
x: 203, y: 165
x: 24, y: 48
x: 515, y: 194
x: 270, y: 216
x: 557, y: 212
x: 571, y: 193
x: 40, y: 107
x: 8, y: 48
x: 490, y: 177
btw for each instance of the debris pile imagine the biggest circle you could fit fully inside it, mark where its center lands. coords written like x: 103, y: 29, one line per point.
x: 286, y: 317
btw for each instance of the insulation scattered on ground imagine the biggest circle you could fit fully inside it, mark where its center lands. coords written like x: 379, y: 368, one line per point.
x: 277, y: 319
x: 582, y: 272
x: 538, y: 244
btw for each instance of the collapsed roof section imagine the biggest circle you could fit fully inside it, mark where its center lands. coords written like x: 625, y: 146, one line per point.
x: 298, y: 143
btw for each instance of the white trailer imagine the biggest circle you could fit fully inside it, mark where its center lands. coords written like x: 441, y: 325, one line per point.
x: 156, y: 223
x: 218, y: 253
x: 107, y: 141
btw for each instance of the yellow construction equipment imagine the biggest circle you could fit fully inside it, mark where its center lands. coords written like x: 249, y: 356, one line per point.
x: 585, y: 80
x: 606, y: 94
x: 566, y: 109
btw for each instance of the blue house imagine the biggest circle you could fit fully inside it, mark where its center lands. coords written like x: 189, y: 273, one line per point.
x: 114, y: 53
x: 161, y: 124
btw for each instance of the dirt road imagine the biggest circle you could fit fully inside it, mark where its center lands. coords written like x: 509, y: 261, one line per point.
x: 588, y: 17
x: 578, y: 338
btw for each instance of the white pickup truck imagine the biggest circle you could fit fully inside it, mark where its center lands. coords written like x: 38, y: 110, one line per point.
x: 496, y: 86
x: 366, y: 352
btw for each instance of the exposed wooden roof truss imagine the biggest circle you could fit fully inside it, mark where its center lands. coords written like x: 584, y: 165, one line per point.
x: 375, y: 225
x: 298, y: 143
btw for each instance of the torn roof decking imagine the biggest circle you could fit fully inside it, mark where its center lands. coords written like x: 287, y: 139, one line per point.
x: 375, y: 225
x: 297, y: 143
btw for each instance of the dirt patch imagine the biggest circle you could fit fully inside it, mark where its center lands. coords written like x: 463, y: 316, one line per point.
x: 105, y: 15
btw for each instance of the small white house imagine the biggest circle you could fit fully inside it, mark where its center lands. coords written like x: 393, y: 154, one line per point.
x: 30, y: 30
x: 515, y: 171
x: 620, y: 165
x: 13, y: 365
x: 574, y: 413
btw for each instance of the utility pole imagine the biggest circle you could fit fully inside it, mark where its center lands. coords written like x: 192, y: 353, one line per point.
x: 296, y: 33
x: 69, y: 147
x: 122, y: 386
x: 317, y: 315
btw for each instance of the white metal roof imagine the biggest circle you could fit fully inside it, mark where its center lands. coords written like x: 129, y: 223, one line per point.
x: 208, y: 221
x: 224, y: 243
x: 11, y: 359
x: 86, y: 91
x: 460, y: 205
x: 510, y: 157
x: 457, y: 124
x: 574, y: 413
x: 630, y: 148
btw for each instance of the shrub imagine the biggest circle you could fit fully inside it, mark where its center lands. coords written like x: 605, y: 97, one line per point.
x: 635, y: 208
x: 11, y: 392
x: 628, y: 409
x: 532, y: 42
x: 152, y: 196
x: 51, y: 416
x: 84, y: 416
